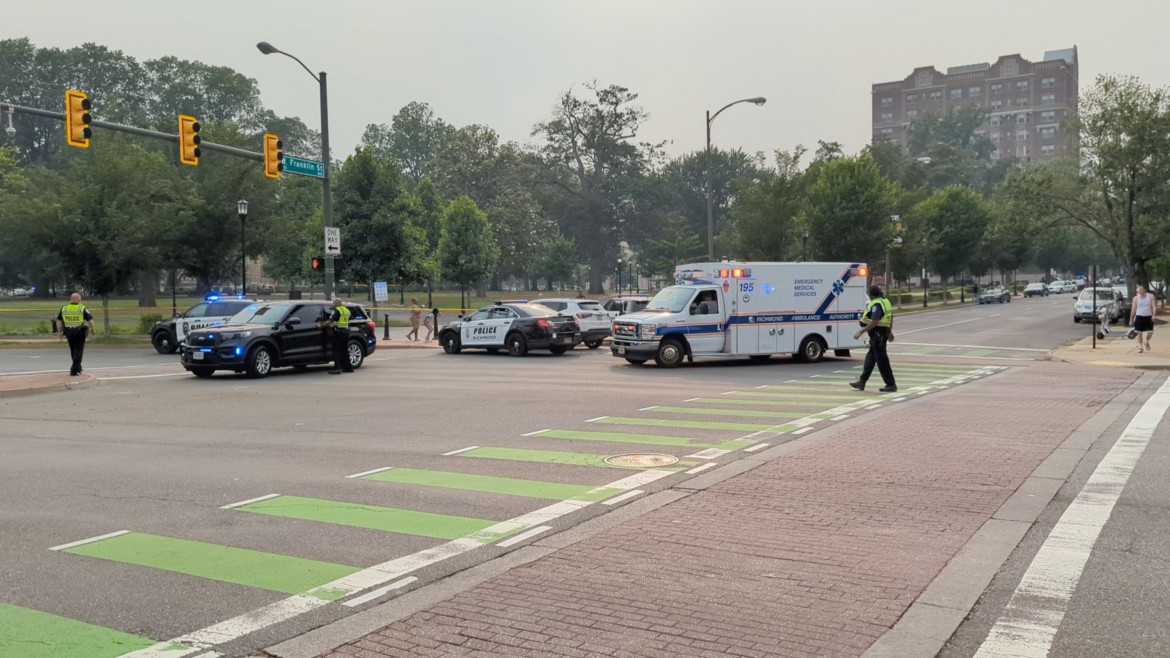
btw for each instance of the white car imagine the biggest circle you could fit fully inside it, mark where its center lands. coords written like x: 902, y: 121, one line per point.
x: 1061, y: 285
x: 1108, y: 304
x: 593, y: 320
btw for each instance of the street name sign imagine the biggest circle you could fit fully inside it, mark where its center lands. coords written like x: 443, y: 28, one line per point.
x: 303, y: 167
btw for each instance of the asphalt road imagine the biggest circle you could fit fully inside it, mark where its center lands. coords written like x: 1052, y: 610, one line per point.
x: 159, y: 454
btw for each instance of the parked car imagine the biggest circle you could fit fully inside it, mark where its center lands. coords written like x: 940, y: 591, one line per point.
x: 1126, y: 300
x: 1060, y: 285
x: 169, y: 333
x: 591, y: 318
x: 995, y: 296
x: 625, y: 304
x: 1036, y: 290
x: 1108, y: 304
x: 515, y: 326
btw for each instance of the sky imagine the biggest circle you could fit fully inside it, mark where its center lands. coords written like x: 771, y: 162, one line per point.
x: 504, y: 63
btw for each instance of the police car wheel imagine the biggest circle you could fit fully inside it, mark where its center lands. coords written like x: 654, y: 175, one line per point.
x: 451, y: 343
x: 670, y: 353
x: 259, y: 362
x: 162, y: 342
x: 356, y: 355
x: 812, y: 349
x: 517, y: 346
x: 202, y: 373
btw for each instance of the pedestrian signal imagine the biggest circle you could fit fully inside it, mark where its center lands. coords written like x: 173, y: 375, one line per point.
x: 77, y: 119
x: 318, y: 264
x: 189, y: 150
x: 273, y: 156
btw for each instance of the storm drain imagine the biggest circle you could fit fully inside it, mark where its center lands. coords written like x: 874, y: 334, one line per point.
x: 641, y: 460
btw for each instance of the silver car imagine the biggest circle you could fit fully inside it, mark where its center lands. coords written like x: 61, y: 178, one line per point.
x: 1108, y: 305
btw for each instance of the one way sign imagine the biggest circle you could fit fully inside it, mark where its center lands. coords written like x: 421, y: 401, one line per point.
x: 332, y: 241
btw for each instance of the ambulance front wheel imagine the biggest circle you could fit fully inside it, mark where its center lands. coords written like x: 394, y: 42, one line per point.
x: 812, y: 349
x: 670, y: 353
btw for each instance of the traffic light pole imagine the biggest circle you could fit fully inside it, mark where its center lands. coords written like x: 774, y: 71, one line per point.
x: 327, y: 205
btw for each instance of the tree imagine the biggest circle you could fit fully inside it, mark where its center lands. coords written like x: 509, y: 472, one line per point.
x: 849, y: 208
x: 411, y: 140
x: 763, y: 222
x: 558, y: 262
x: 678, y: 244
x: 467, y: 249
x: 951, y: 225
x: 684, y: 191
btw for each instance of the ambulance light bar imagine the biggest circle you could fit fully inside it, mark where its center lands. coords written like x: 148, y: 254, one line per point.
x: 733, y: 273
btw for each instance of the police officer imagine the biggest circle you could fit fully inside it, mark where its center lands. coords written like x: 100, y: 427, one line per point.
x: 338, y: 327
x: 71, y: 321
x: 878, y: 322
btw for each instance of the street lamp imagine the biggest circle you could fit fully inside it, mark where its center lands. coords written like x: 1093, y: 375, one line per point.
x: 327, y: 207
x: 619, y: 290
x: 804, y: 245
x: 242, y: 209
x: 462, y: 286
x: 759, y: 100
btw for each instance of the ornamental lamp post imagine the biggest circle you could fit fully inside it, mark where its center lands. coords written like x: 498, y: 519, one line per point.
x: 242, y: 210
x: 758, y: 101
x: 619, y: 286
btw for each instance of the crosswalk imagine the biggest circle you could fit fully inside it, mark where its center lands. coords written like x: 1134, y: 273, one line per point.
x: 973, y: 352
x: 552, y: 472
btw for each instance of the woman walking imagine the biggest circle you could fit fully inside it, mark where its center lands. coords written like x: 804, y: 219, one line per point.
x: 415, y: 316
x: 429, y: 323
x: 1141, y: 317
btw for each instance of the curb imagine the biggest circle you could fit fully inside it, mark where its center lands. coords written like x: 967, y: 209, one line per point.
x: 85, y: 381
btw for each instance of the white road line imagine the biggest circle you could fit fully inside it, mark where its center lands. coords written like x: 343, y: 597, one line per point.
x: 626, y: 496
x: 700, y: 469
x: 709, y: 453
x: 803, y: 430
x: 761, y: 446
x: 732, y: 392
x: 594, y: 420
x: 960, y: 356
x: 365, y: 473
x: 512, y: 541
x: 46, y: 372
x: 790, y: 381
x: 873, y: 406
x: 379, y: 593
x: 456, y: 452
x: 764, y: 386
x: 691, y: 400
x: 169, y: 374
x: 648, y: 408
x: 208, y: 654
x: 1032, y: 616
x: 89, y: 541
x: 841, y: 417
x: 996, y: 315
x: 937, y: 326
x: 535, y: 433
x: 982, y: 347
x: 249, y: 502
x: 899, y: 399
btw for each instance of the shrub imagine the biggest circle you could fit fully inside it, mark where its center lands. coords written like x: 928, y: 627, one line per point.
x: 147, y: 322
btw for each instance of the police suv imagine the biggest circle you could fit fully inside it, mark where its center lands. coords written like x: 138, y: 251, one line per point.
x: 270, y: 335
x: 515, y: 326
x: 212, y: 312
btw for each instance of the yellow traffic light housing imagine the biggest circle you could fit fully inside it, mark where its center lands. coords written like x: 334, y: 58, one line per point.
x: 77, y: 119
x: 273, y: 156
x: 189, y: 151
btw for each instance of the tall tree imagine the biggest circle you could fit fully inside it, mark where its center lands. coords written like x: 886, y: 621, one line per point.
x: 412, y: 140
x: 951, y: 225
x: 849, y: 209
x: 467, y: 250
x: 763, y: 223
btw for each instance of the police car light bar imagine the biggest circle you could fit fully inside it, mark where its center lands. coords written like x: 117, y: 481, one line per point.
x: 212, y: 298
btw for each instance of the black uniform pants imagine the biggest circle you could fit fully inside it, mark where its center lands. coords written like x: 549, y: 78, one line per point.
x: 341, y: 351
x: 877, y: 355
x: 76, y: 338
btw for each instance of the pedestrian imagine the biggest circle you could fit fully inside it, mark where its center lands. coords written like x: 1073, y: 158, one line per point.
x: 1141, y: 316
x: 337, y: 327
x: 429, y: 323
x: 878, y: 322
x: 415, y: 316
x: 71, y: 324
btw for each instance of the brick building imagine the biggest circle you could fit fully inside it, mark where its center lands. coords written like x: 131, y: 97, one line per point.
x: 1026, y: 103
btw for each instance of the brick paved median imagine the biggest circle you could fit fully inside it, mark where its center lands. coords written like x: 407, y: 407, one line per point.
x: 817, y: 553
x: 13, y: 385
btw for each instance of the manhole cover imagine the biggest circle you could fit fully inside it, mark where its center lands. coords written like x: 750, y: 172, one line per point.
x: 641, y: 460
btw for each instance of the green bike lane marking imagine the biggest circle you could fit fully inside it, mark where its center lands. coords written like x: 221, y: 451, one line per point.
x: 925, y: 350
x: 749, y: 413
x: 979, y: 353
x: 554, y: 457
x: 843, y: 395
x: 924, y: 379
x: 693, y: 424
x: 491, y: 484
x: 239, y: 566
x: 27, y: 633
x: 386, y: 519
x: 646, y: 439
x: 781, y: 403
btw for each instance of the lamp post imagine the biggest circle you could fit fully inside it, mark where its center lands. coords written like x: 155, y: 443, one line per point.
x: 804, y: 245
x: 925, y: 286
x: 759, y: 100
x: 242, y: 210
x: 327, y: 207
x: 619, y: 287
x: 462, y: 286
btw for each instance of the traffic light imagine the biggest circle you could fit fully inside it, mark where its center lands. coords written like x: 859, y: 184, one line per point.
x: 318, y: 264
x: 189, y: 151
x: 273, y: 156
x: 77, y: 119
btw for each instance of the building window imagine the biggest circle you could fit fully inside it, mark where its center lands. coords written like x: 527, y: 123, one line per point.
x: 911, y: 115
x: 975, y: 92
x: 1048, y: 149
x: 1048, y: 117
x: 1010, y: 67
x: 1022, y: 85
x: 887, y: 117
x: 995, y: 121
x: 1022, y: 101
x: 935, y: 95
x: 1048, y: 133
x: 1048, y: 83
x: 996, y: 105
x: 1021, y: 118
x: 1021, y: 151
x: 956, y: 94
x: 1022, y: 136
x: 887, y: 102
x: 995, y: 155
x: 887, y: 131
x: 1048, y: 99
x: 997, y: 88
x: 911, y: 99
x: 994, y: 138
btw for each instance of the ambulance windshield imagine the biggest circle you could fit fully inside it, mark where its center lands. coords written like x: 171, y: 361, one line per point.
x: 673, y: 299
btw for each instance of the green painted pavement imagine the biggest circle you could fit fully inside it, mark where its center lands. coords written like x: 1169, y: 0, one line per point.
x: 844, y: 377
x: 386, y: 519
x: 553, y: 457
x: 692, y: 424
x: 779, y: 403
x: 26, y: 633
x: 846, y: 393
x: 490, y: 484
x: 750, y: 413
x: 980, y: 353
x: 278, y: 573
x: 647, y: 439
x: 925, y: 350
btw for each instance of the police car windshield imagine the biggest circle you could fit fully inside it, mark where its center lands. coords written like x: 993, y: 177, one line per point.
x: 260, y: 314
x: 673, y: 299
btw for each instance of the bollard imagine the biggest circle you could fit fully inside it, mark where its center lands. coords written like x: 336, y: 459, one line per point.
x: 386, y: 327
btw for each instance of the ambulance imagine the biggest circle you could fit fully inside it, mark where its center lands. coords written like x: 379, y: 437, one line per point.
x: 735, y: 309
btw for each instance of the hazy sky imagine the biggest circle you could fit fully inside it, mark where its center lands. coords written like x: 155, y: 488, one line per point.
x: 503, y: 62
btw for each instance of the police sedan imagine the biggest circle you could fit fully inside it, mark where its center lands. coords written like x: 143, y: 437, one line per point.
x: 514, y: 326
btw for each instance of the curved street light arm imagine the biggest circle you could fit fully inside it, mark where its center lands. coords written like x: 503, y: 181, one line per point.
x: 757, y: 101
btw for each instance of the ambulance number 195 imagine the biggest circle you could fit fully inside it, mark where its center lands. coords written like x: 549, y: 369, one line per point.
x: 747, y: 287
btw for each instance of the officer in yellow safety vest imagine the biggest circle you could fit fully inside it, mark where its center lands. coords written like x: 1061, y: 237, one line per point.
x: 338, y: 327
x: 878, y: 322
x: 71, y: 324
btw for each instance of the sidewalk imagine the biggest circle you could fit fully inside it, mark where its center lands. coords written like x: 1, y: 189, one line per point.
x: 897, y: 520
x: 1119, y: 351
x: 13, y: 385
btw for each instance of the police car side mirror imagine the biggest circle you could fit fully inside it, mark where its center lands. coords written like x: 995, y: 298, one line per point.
x: 293, y: 321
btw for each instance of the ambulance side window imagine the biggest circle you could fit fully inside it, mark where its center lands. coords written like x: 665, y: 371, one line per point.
x: 706, y: 303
